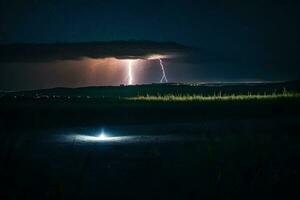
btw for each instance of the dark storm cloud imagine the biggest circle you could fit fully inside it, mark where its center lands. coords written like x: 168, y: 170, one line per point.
x: 47, y: 52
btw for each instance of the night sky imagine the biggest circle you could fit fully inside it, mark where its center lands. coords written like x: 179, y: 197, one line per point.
x: 236, y: 40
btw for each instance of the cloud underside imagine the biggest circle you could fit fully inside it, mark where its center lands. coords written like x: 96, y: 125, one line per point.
x: 74, y: 51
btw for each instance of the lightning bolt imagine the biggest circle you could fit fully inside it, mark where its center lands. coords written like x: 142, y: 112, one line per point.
x: 130, y: 78
x: 163, y: 72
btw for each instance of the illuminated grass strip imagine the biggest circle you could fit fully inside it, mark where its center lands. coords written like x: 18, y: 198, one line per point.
x: 182, y: 98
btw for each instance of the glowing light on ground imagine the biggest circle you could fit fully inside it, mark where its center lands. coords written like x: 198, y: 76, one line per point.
x: 163, y: 72
x: 100, y: 138
x: 85, y: 139
x: 103, y: 136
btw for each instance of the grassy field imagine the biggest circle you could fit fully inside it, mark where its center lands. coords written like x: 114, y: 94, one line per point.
x: 208, y: 89
x: 220, y: 97
x: 244, y: 142
x: 149, y: 104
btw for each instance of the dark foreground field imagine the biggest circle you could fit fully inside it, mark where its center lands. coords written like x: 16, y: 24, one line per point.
x: 226, y: 149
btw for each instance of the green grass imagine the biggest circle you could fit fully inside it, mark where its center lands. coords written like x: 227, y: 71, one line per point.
x: 219, y: 97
